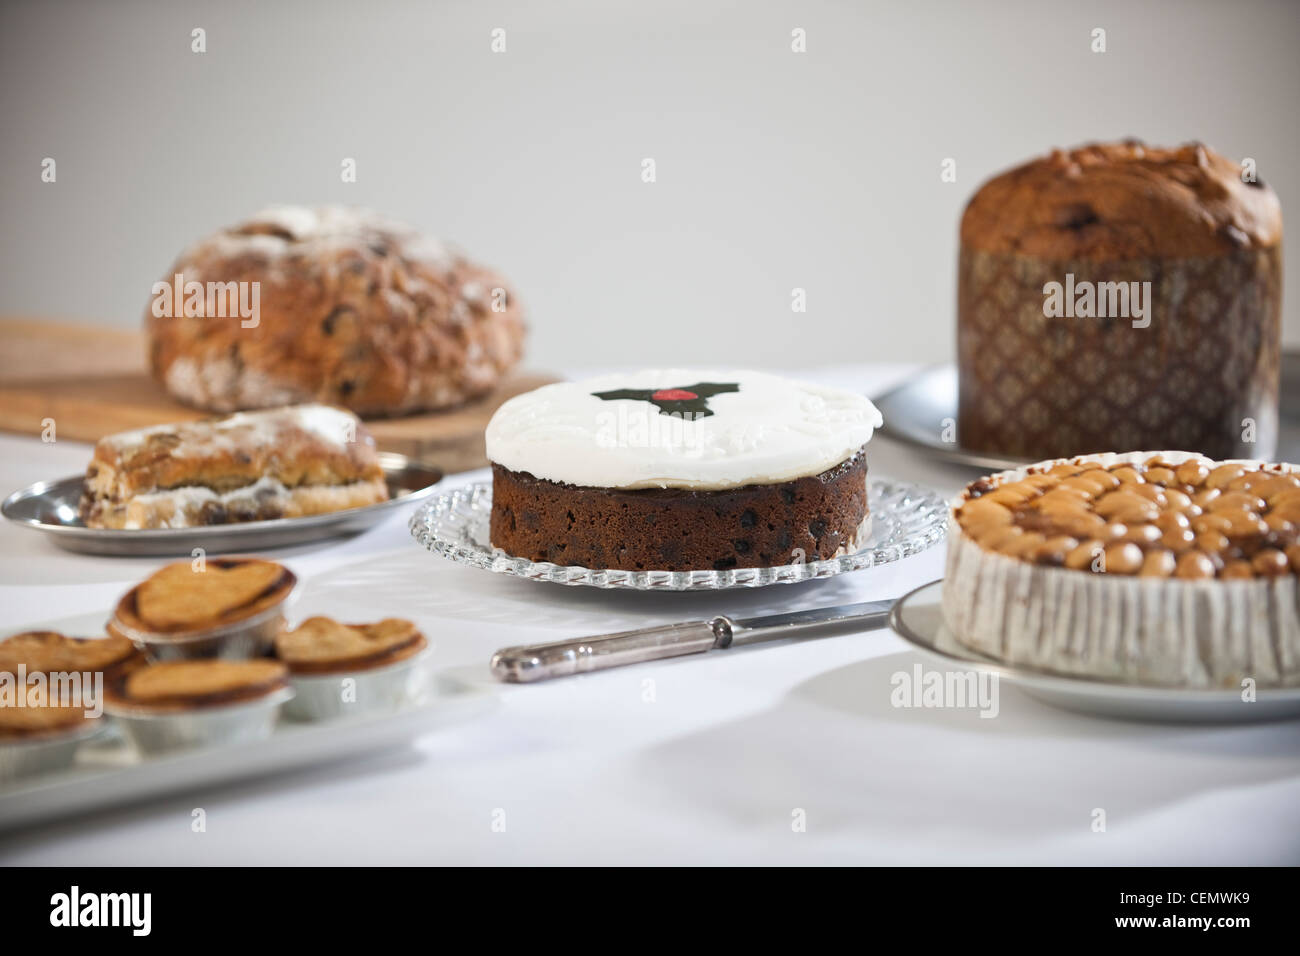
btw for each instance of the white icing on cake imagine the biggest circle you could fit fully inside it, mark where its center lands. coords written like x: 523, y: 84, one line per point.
x: 770, y: 430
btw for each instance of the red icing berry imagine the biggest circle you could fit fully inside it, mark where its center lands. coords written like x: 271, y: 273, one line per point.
x: 673, y: 395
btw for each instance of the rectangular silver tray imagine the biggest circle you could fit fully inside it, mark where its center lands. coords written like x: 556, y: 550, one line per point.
x: 108, y: 772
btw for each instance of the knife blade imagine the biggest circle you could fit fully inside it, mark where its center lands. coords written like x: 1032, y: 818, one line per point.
x: 530, y: 663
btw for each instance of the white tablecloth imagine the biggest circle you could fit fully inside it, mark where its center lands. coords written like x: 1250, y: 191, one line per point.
x: 715, y: 761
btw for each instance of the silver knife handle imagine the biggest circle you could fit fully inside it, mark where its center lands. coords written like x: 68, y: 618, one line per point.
x: 534, y: 662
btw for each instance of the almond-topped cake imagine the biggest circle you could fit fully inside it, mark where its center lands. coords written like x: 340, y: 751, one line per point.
x: 1149, y: 567
x: 282, y: 463
x: 680, y: 470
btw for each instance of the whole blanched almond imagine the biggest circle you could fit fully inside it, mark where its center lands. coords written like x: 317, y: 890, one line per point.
x: 1084, y: 555
x: 1193, y: 472
x: 1023, y: 544
x: 1153, y: 493
x: 1123, y: 557
x: 1242, y: 524
x: 1168, y: 520
x: 1220, y: 476
x: 1237, y: 501
x: 1142, y: 534
x: 1178, y: 540
x: 1127, y: 507
x: 1080, y: 525
x: 1269, y: 562
x: 1054, y: 550
x: 1194, y: 564
x: 1158, y: 564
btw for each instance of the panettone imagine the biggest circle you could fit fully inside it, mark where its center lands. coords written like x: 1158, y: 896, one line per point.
x: 1190, y: 361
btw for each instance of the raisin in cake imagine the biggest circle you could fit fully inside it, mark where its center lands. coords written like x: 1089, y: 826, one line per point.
x: 680, y: 470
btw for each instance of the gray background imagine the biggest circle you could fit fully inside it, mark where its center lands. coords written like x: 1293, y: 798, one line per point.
x: 775, y: 169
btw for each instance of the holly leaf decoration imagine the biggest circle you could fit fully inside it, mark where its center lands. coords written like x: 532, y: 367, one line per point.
x: 686, y: 401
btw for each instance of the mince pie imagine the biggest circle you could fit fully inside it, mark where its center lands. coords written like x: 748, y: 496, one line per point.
x: 321, y: 645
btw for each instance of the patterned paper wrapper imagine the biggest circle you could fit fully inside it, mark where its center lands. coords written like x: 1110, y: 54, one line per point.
x: 1036, y: 387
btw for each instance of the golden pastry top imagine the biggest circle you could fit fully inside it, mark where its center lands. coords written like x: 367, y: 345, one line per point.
x: 321, y: 644
x: 199, y: 683
x: 42, y: 713
x: 182, y: 598
x: 1153, y: 518
x: 48, y: 651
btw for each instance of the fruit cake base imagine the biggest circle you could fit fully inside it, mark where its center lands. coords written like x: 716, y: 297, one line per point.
x: 672, y: 529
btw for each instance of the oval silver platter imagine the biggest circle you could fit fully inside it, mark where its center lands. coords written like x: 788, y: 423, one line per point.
x: 51, y: 507
x: 918, y: 619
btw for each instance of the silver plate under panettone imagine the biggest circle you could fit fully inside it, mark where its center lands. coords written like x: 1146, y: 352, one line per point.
x: 917, y: 618
x: 922, y: 412
x: 905, y: 520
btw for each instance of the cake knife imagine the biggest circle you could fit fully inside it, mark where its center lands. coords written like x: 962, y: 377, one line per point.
x: 536, y: 662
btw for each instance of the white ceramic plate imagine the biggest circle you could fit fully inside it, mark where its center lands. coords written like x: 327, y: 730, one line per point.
x: 107, y: 771
x: 905, y: 520
x: 917, y: 619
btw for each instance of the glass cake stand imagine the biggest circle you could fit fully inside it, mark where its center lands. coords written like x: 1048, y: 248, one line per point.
x: 905, y: 520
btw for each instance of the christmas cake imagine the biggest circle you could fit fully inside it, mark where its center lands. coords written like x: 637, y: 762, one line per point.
x: 680, y: 470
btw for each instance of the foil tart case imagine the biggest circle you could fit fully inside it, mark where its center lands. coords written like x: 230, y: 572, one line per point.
x: 154, y: 731
x: 379, y: 690
x: 44, y: 753
x: 252, y: 636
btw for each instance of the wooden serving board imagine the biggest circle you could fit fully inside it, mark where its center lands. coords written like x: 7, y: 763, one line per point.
x: 92, y: 382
